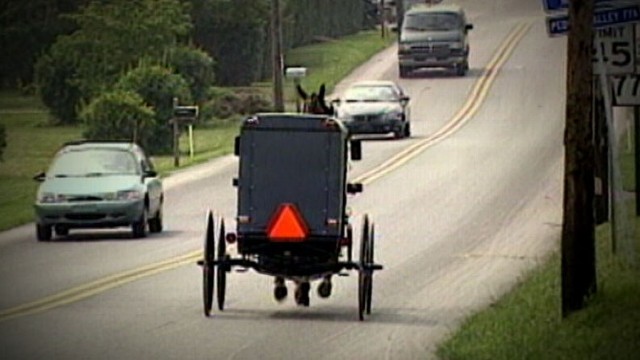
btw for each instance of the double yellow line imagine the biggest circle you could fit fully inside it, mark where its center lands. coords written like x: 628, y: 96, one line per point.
x: 98, y: 286
x: 468, y: 110
x: 478, y: 94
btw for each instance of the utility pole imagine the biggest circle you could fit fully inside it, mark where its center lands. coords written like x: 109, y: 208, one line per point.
x: 578, y: 228
x: 383, y: 16
x: 399, y: 14
x: 636, y: 125
x: 276, y: 50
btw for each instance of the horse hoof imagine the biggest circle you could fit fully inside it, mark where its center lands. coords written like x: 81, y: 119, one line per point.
x: 324, y: 289
x: 303, y: 300
x: 302, y: 294
x: 280, y: 292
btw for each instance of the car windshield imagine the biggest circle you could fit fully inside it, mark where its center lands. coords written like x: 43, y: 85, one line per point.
x: 432, y: 22
x: 94, y: 162
x: 370, y: 93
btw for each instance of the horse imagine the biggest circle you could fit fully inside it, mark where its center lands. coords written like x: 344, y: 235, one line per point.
x: 313, y: 103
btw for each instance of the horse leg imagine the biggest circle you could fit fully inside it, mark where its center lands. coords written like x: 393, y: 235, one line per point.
x: 302, y: 293
x: 280, y: 290
x: 324, y: 289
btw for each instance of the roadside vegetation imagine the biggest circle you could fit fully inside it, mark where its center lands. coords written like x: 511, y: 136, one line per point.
x: 527, y: 323
x: 32, y: 138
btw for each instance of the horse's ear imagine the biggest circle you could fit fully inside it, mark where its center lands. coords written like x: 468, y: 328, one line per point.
x: 301, y: 92
x: 321, y: 93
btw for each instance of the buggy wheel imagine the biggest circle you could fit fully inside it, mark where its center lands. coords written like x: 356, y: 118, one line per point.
x: 221, y: 270
x: 362, y: 273
x: 369, y: 288
x: 207, y: 266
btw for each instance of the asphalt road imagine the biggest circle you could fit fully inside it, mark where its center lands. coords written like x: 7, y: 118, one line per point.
x: 470, y: 202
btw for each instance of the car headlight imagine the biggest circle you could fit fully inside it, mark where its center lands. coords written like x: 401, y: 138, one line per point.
x: 344, y: 117
x: 51, y: 198
x: 128, y: 195
x: 404, y: 48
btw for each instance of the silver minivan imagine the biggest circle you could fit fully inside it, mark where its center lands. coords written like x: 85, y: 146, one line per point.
x: 434, y: 37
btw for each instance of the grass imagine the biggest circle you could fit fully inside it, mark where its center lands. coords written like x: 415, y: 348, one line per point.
x: 527, y: 324
x: 330, y: 61
x: 627, y: 155
x: 32, y: 141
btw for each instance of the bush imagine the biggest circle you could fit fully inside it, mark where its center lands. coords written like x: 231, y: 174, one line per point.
x: 196, y: 67
x: 157, y: 86
x: 55, y: 74
x: 118, y: 115
x: 225, y: 103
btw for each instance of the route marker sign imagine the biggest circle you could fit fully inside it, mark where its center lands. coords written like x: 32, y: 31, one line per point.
x: 559, y: 24
x: 554, y: 6
x: 626, y: 90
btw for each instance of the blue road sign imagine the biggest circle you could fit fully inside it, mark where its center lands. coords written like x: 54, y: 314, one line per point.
x: 559, y: 25
x: 551, y: 6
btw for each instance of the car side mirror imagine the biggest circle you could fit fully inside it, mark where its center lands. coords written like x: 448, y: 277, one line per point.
x: 356, y: 150
x: 355, y: 188
x: 468, y: 27
x: 236, y: 146
x: 39, y: 177
x: 404, y: 100
x: 150, y: 173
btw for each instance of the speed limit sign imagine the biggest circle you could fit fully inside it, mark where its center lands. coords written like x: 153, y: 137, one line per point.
x: 616, y: 45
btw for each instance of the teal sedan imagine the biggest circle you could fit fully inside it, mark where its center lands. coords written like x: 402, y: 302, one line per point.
x: 93, y: 184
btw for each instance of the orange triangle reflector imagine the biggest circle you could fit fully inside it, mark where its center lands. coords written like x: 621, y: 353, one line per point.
x: 287, y: 225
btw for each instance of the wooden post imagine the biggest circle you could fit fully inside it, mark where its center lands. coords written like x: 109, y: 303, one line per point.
x: 578, y: 228
x: 276, y: 47
x: 296, y: 83
x: 176, y: 136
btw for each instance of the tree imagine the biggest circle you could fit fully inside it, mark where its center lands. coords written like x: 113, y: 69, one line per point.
x: 27, y: 29
x: 196, y: 67
x: 157, y: 86
x: 111, y: 37
x: 234, y: 34
x: 58, y: 86
x: 578, y: 227
x: 118, y: 115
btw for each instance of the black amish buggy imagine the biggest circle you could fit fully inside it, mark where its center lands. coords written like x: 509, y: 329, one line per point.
x: 292, y: 221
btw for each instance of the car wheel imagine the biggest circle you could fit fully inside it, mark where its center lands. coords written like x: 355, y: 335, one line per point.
x: 404, y: 71
x: 155, y: 223
x: 461, y: 69
x: 43, y: 232
x: 139, y: 227
x: 407, y: 130
x: 61, y: 230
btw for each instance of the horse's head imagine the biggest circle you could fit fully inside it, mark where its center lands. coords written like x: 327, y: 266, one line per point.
x: 315, y: 103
